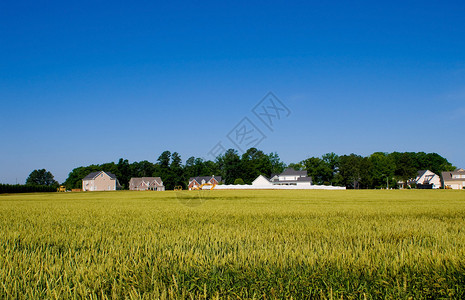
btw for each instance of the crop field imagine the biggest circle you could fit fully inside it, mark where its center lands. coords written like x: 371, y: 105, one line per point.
x: 233, y: 244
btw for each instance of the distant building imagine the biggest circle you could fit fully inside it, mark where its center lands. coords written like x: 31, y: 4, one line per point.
x: 288, y: 177
x: 100, y: 181
x: 454, y: 180
x: 146, y: 184
x: 195, y: 182
x: 426, y: 180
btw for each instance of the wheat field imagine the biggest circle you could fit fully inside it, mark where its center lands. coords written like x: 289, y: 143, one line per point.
x: 385, y: 244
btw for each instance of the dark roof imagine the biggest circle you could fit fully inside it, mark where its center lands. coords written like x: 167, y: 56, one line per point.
x: 206, y: 178
x: 420, y: 173
x: 94, y: 174
x: 91, y: 175
x: 448, y: 175
x: 292, y: 172
x: 305, y: 179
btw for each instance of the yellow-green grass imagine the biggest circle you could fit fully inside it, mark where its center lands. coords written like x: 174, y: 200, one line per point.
x: 237, y: 244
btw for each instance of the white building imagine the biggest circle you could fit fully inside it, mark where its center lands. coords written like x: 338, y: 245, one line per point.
x: 291, y: 177
x: 454, y: 180
x: 427, y: 180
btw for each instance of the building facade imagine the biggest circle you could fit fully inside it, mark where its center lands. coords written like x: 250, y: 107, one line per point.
x: 146, y: 184
x: 454, y: 180
x: 100, y: 181
x: 196, y: 182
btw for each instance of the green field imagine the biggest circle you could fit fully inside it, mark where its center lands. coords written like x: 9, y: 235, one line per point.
x: 236, y: 244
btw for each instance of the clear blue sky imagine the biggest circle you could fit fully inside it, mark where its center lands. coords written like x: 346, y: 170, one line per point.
x: 87, y: 82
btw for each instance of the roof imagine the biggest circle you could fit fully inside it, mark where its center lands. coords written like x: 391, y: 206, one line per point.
x: 206, y: 178
x: 300, y: 179
x: 448, y: 175
x: 268, y: 179
x: 305, y: 179
x: 147, y: 180
x: 420, y: 173
x: 292, y: 172
x: 92, y: 175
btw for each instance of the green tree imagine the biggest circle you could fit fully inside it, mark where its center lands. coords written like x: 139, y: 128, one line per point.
x: 41, y: 177
x: 316, y: 169
x: 277, y: 166
x: 382, y: 170
x: 406, y: 166
x: 254, y: 163
x: 354, y: 170
x: 239, y: 181
x: 229, y: 165
x: 176, y: 170
x: 124, y: 172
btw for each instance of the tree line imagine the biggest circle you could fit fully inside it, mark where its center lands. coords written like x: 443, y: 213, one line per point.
x: 377, y: 170
x: 26, y: 188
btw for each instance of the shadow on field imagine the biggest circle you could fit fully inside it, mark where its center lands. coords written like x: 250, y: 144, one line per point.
x: 193, y: 198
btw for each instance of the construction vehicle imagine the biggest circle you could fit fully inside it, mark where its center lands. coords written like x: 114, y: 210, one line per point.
x: 178, y: 188
x: 62, y: 188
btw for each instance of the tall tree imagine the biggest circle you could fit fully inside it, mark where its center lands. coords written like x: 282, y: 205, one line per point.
x: 176, y: 170
x: 354, y: 170
x: 406, y: 166
x: 382, y: 170
x: 230, y: 166
x: 41, y: 177
x: 124, y: 172
x: 277, y: 166
x: 316, y: 169
x: 254, y: 163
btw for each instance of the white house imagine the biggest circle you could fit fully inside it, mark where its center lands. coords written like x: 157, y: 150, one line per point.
x: 100, y: 181
x: 291, y: 177
x: 288, y: 177
x: 427, y: 180
x: 454, y: 180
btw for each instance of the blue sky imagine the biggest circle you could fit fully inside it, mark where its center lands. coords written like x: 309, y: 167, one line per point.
x: 91, y: 81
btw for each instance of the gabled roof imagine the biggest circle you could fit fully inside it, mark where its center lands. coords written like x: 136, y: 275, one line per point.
x: 268, y: 179
x: 292, y: 172
x: 95, y: 174
x: 206, y: 178
x: 147, y: 180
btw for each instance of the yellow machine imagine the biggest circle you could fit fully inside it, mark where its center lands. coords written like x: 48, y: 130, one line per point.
x: 200, y: 187
x: 62, y: 188
x: 178, y: 188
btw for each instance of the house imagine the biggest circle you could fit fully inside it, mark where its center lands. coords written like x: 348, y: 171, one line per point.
x: 454, y: 180
x: 291, y: 177
x: 196, y: 182
x: 100, y: 181
x: 426, y: 180
x: 288, y: 177
x: 146, y: 184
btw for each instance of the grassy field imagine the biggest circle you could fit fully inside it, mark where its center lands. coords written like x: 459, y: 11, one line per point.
x: 233, y: 244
